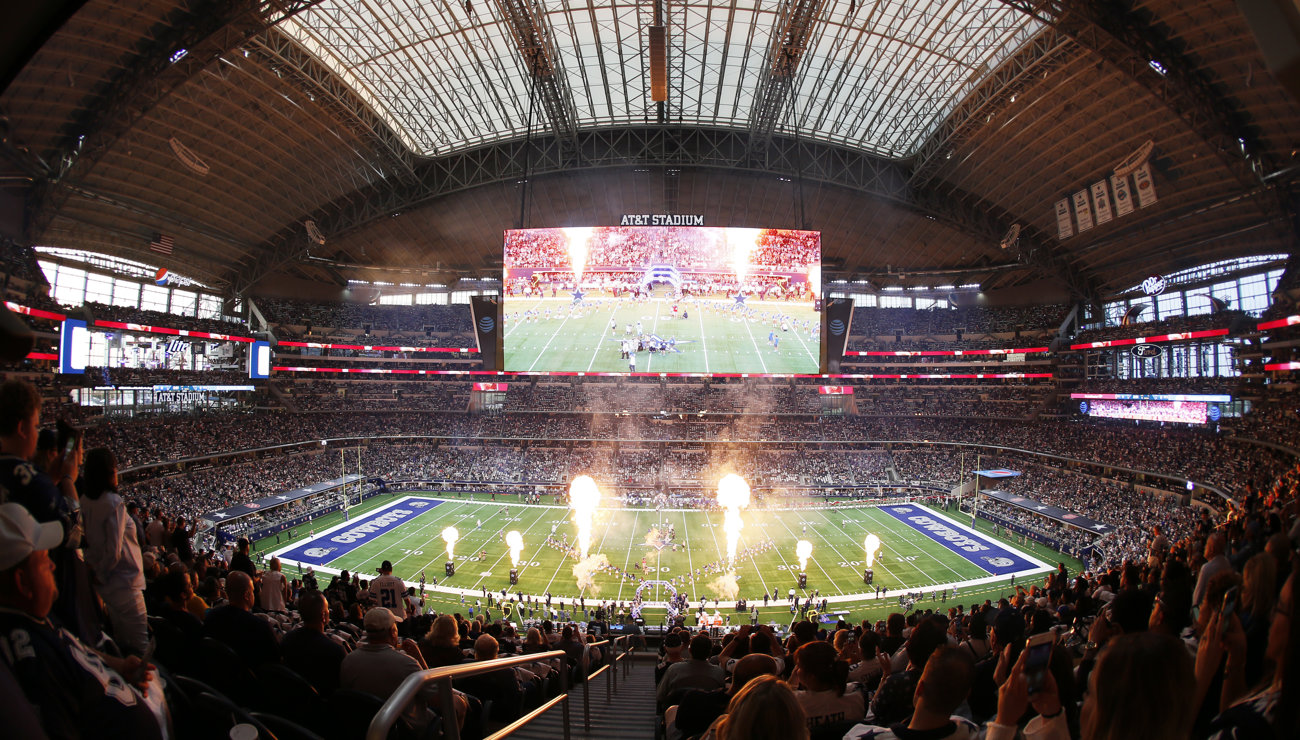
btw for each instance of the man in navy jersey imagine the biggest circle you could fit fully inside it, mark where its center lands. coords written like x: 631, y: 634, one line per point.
x: 76, y: 691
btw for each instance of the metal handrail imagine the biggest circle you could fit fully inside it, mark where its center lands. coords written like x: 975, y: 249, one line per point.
x: 387, y: 715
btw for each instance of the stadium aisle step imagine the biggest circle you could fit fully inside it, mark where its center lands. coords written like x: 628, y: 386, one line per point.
x: 628, y: 716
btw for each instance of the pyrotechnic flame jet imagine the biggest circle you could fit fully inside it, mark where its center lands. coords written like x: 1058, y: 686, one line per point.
x: 515, y: 542
x: 733, y: 495
x: 873, y: 546
x: 584, y: 497
x: 450, y: 535
x: 579, y: 245
x: 803, y: 550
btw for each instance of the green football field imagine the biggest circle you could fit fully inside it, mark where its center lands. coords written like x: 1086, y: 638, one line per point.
x: 712, y: 338
x: 906, y: 562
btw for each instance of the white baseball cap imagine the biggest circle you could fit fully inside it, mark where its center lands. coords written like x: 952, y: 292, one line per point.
x: 21, y: 535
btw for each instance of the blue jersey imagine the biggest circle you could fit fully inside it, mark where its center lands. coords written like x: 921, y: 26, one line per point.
x: 75, y: 694
x: 22, y: 483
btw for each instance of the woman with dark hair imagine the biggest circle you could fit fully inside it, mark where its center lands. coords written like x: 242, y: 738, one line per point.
x: 1138, y: 691
x: 113, y: 551
x: 820, y: 678
x: 1272, y: 710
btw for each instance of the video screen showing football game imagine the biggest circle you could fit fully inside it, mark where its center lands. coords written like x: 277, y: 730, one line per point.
x: 662, y: 299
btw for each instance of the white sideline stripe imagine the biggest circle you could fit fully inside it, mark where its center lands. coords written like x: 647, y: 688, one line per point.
x: 1040, y: 566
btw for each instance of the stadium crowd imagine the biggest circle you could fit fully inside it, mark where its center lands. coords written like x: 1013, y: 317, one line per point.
x: 1140, y: 601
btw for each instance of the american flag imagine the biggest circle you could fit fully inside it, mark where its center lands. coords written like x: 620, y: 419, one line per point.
x: 162, y: 245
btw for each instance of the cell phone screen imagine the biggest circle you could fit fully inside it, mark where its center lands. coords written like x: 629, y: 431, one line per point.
x: 1037, y: 658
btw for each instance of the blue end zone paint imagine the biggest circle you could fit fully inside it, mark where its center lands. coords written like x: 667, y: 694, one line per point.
x: 351, y: 535
x: 971, y: 545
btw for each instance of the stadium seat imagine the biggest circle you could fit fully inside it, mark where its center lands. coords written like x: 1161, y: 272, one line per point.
x: 219, y: 711
x: 350, y: 712
x: 226, y: 671
x: 283, y: 692
x: 284, y: 729
x: 171, y: 649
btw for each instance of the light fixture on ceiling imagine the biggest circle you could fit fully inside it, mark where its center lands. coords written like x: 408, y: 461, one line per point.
x: 188, y: 157
x: 314, y: 232
x: 1011, y: 237
x: 1136, y: 159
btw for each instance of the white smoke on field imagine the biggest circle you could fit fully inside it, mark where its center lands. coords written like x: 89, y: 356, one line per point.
x: 725, y: 587
x: 585, y: 572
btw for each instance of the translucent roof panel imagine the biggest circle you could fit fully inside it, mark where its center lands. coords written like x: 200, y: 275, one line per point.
x: 447, y: 75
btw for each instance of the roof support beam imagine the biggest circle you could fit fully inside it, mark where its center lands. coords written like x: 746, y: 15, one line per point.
x: 1044, y: 53
x: 279, y: 52
x: 209, y: 28
x: 535, y: 41
x: 650, y: 147
x: 1110, y: 29
x: 796, y: 23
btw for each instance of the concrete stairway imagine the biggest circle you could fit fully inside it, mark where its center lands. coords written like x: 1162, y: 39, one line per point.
x: 628, y: 715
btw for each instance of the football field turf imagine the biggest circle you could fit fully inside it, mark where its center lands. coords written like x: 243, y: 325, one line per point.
x: 406, y: 529
x: 712, y: 338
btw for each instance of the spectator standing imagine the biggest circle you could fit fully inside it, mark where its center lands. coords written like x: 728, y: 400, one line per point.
x: 113, y: 551
x: 387, y: 590
x: 48, y: 499
x: 275, y: 588
x: 240, y: 561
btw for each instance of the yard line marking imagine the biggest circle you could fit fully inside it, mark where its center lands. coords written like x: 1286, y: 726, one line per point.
x: 757, y: 352
x: 596, y: 351
x: 547, y: 346
x: 879, y: 561
x: 817, y: 562
x: 417, y: 532
x: 599, y: 549
x: 799, y: 336
x: 506, y: 554
x: 628, y: 558
x: 515, y: 324
x: 431, y: 539
x: 704, y: 342
x: 906, y: 535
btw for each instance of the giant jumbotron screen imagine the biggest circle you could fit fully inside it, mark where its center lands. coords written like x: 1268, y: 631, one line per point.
x: 662, y: 299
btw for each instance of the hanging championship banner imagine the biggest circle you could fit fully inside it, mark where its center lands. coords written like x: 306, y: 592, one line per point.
x: 1146, y: 187
x: 1064, y: 229
x: 1123, y: 195
x: 1101, y: 201
x: 1082, y: 211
